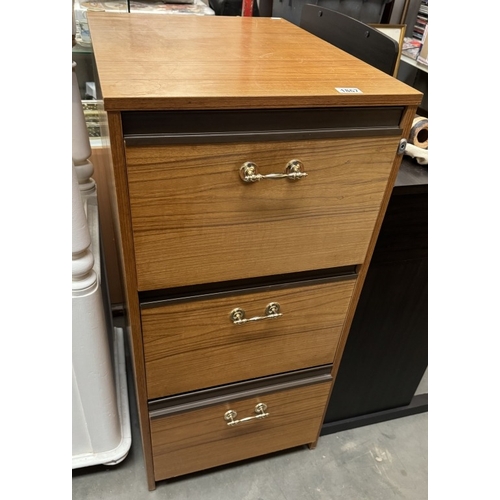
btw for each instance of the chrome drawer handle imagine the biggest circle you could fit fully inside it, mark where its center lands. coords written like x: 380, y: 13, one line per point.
x: 260, y: 410
x: 293, y: 170
x: 237, y: 316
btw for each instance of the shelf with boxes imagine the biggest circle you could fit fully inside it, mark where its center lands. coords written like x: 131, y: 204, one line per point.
x: 415, y: 47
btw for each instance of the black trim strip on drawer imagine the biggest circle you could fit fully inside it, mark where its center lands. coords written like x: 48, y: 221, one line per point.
x: 240, y: 390
x: 302, y: 135
x: 181, y: 127
x: 155, y: 298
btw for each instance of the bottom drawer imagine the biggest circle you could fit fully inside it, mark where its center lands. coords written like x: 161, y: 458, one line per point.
x: 198, y: 439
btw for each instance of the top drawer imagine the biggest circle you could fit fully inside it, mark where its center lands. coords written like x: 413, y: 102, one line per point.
x: 195, y: 220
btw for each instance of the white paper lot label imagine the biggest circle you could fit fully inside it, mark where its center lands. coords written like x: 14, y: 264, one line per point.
x: 348, y: 90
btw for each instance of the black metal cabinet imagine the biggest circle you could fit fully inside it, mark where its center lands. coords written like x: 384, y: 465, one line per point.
x: 385, y: 356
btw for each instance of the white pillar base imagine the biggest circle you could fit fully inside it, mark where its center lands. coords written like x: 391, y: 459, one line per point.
x: 83, y: 454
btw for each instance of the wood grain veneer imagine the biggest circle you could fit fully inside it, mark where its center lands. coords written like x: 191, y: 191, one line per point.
x: 121, y: 217
x: 198, y: 439
x: 191, y: 345
x: 146, y: 61
x: 195, y: 221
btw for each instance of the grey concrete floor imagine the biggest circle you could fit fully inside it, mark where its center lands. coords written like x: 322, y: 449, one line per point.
x: 382, y: 461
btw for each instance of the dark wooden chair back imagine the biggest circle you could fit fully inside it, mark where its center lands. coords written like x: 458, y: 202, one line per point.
x: 352, y: 36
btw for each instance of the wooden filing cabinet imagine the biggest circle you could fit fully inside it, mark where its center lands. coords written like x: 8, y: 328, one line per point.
x: 248, y: 191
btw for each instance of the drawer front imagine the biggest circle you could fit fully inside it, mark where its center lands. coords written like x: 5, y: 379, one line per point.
x: 195, y: 220
x: 196, y: 440
x: 194, y: 344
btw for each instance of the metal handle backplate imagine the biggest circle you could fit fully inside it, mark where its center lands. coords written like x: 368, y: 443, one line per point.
x: 260, y: 410
x: 294, y: 171
x: 237, y: 316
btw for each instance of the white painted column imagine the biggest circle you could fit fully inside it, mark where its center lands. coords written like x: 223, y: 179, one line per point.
x: 96, y: 419
x: 81, y: 149
x: 95, y: 409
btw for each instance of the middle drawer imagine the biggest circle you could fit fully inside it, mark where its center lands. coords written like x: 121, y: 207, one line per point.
x: 198, y: 343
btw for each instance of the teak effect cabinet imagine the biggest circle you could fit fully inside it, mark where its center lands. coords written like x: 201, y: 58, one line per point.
x: 249, y: 192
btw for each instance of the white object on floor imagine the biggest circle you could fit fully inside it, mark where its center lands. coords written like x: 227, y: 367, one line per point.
x: 101, y: 421
x: 120, y: 451
x: 100, y: 418
x: 421, y: 155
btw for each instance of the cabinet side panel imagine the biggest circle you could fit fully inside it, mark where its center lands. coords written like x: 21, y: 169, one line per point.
x: 121, y: 215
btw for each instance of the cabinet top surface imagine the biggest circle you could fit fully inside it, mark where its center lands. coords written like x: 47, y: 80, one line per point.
x: 148, y: 61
